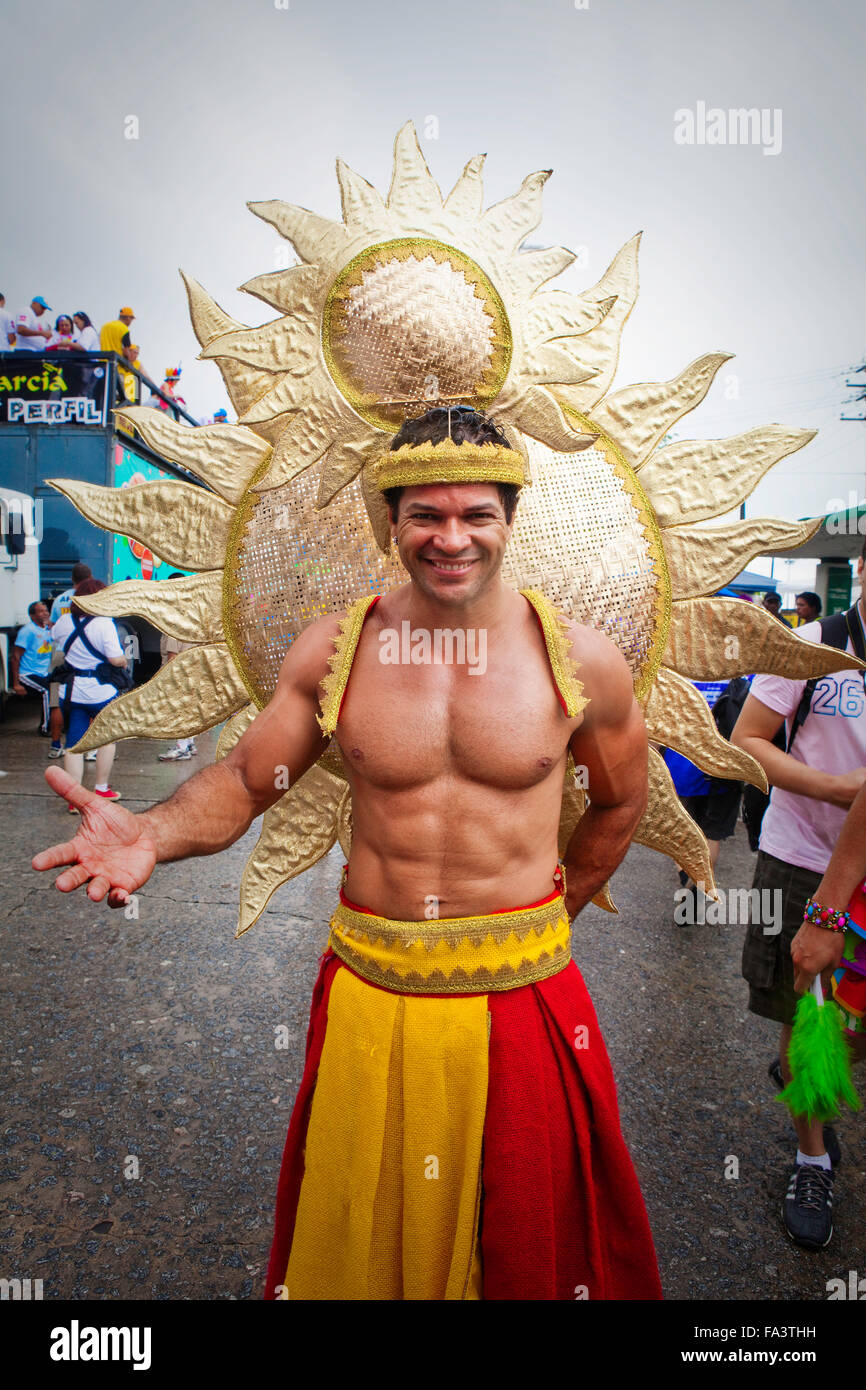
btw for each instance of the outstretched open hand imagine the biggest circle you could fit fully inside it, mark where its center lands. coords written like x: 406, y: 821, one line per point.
x: 110, y: 851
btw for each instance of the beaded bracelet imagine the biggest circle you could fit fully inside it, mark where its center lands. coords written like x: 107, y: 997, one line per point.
x: 819, y: 916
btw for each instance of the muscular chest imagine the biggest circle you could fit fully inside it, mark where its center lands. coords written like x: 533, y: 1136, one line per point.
x: 405, y: 724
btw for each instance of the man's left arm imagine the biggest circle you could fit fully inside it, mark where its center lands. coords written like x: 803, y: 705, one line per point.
x: 610, y: 747
x: 15, y: 658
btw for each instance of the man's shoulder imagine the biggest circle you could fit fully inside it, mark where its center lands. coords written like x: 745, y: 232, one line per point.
x: 594, y: 651
x: 603, y: 672
x: 308, y: 658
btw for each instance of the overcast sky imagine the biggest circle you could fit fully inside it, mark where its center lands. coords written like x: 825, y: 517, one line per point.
x: 757, y: 254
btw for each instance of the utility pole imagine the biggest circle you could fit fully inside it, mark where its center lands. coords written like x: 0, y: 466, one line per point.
x: 860, y: 388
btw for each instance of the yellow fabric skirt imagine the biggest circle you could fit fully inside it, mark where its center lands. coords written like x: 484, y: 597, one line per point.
x: 389, y: 1202
x: 388, y: 1207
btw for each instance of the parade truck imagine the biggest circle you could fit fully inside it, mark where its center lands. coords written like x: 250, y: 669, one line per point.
x: 57, y: 421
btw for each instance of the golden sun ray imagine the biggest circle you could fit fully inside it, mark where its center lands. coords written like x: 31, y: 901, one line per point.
x: 194, y: 691
x: 717, y: 639
x: 637, y: 417
x: 677, y: 716
x: 702, y: 558
x: 148, y: 512
x: 699, y: 479
x: 668, y: 827
x: 223, y: 456
x: 234, y: 729
x: 189, y: 608
x: 296, y: 833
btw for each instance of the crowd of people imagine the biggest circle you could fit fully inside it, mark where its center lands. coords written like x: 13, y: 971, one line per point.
x: 810, y: 739
x: 77, y: 664
x: 33, y: 330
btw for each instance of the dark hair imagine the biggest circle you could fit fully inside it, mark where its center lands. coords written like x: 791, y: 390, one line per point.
x: 813, y: 600
x: 80, y: 314
x: 863, y: 551
x: 80, y: 572
x: 772, y: 594
x: 37, y: 603
x: 87, y: 586
x: 68, y: 318
x: 465, y: 426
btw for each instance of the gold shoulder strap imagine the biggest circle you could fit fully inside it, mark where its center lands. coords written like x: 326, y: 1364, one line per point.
x: 554, y: 626
x: 333, y: 686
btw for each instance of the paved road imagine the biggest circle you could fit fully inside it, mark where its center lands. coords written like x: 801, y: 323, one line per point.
x: 146, y: 1099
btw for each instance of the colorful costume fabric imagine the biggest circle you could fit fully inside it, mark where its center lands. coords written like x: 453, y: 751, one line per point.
x: 426, y: 1160
x: 456, y: 1133
x: 849, y: 981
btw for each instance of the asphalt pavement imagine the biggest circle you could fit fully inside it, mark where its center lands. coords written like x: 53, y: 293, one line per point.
x: 152, y: 1062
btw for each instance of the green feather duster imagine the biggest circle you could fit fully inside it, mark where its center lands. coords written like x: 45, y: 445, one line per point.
x: 820, y: 1061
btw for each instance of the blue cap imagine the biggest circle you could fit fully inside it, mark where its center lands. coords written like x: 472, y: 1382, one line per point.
x: 220, y: 415
x: 37, y: 299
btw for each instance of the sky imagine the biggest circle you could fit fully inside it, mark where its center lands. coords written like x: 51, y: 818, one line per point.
x: 751, y: 252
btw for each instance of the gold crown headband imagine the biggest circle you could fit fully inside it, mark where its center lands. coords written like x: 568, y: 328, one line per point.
x: 416, y: 465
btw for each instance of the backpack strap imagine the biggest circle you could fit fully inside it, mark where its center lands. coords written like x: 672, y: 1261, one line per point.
x: 855, y: 632
x: 78, y: 632
x: 68, y: 673
x: 835, y: 632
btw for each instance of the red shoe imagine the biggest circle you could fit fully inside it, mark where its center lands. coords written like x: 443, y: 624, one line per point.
x: 109, y: 794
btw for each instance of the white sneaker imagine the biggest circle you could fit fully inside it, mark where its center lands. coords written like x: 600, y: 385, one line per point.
x: 91, y: 756
x: 175, y: 755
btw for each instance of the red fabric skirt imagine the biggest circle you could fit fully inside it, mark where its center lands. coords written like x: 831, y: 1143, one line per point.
x: 562, y: 1216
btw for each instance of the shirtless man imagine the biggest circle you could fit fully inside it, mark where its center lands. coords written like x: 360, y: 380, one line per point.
x: 456, y: 780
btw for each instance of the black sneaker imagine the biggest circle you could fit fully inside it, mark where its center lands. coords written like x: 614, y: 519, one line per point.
x: 807, y: 1210
x: 831, y: 1138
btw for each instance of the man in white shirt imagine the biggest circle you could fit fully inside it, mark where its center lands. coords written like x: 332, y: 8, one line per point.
x: 59, y: 609
x: 62, y: 603
x: 33, y: 327
x: 814, y: 783
x: 7, y: 326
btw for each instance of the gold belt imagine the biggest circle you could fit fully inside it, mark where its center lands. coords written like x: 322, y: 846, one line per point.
x: 454, y: 955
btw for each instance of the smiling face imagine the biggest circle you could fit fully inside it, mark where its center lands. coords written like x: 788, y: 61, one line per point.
x: 451, y: 538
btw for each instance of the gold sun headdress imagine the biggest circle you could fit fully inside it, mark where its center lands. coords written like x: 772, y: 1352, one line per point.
x: 406, y: 303
x: 419, y: 464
